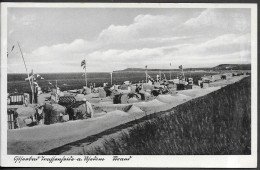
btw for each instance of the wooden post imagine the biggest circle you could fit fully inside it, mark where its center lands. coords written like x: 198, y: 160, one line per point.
x: 146, y: 76
x: 183, y: 73
x: 12, y: 120
x: 31, y: 84
x: 56, y: 91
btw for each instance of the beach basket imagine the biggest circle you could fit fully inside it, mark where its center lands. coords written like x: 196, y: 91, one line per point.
x: 124, y: 99
x: 53, y: 113
x: 102, y: 93
x: 180, y: 86
x: 66, y: 100
x: 189, y: 86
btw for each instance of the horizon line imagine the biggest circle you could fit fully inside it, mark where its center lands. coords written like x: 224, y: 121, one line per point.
x: 127, y: 68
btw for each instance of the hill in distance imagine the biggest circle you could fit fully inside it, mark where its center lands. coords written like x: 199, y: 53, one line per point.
x: 233, y: 67
x: 219, y: 67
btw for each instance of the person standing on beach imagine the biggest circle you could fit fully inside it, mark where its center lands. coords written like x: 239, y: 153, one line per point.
x: 89, y: 110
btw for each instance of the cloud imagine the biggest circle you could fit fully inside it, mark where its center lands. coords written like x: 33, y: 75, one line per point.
x: 223, y: 44
x: 226, y: 48
x: 209, y: 22
x: 219, y: 21
x: 215, y: 36
x: 10, y: 32
x: 25, y: 20
x: 143, y: 26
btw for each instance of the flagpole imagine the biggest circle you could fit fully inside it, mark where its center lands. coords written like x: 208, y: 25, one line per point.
x: 26, y: 71
x: 86, y: 73
x: 146, y: 73
x: 32, y: 88
x: 111, y: 78
x: 177, y: 72
x: 182, y: 72
x: 160, y: 74
x: 170, y: 71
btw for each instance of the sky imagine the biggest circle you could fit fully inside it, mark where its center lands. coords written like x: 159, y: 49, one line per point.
x: 58, y: 39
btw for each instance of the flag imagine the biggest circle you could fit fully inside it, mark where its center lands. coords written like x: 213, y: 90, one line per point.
x: 83, y: 64
x: 31, y: 76
x: 146, y: 67
x: 180, y: 67
x: 39, y: 77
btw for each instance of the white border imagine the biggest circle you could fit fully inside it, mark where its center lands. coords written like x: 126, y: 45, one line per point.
x: 221, y: 161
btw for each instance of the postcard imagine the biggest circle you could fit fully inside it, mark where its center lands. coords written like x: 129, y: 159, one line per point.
x: 129, y: 85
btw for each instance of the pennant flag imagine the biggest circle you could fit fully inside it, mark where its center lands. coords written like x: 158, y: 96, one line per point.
x: 39, y: 77
x: 12, y: 48
x: 10, y: 51
x: 35, y: 83
x: 180, y: 67
x: 83, y: 64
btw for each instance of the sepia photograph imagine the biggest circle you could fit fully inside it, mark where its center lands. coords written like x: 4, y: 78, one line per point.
x: 128, y: 81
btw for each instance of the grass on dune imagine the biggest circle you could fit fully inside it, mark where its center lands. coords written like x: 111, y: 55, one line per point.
x: 216, y: 124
